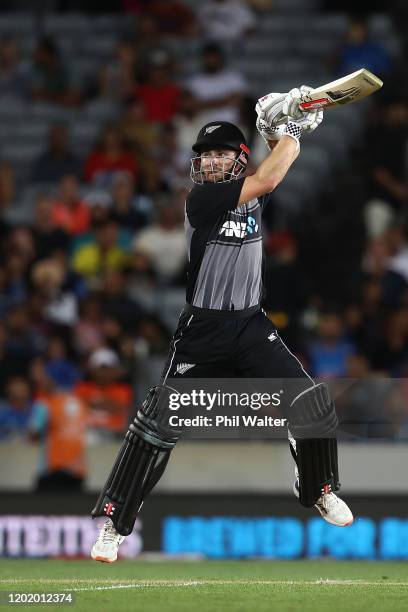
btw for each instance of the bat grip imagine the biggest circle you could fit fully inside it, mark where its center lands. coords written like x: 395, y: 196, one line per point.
x: 314, y: 104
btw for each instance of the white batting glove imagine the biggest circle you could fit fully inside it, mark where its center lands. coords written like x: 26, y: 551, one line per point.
x: 269, y: 132
x: 308, y: 120
x: 292, y: 101
x: 269, y: 108
x: 296, y: 127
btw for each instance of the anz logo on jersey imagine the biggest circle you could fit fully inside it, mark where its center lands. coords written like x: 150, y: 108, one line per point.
x: 239, y: 229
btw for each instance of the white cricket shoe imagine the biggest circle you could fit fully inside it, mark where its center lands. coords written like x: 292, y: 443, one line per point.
x: 333, y: 509
x: 107, y: 544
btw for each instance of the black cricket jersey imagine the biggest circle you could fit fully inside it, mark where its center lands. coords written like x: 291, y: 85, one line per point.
x: 224, y: 247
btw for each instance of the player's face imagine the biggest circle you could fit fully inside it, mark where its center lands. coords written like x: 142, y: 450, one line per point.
x: 215, y: 163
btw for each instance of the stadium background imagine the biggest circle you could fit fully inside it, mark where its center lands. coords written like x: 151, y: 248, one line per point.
x: 97, y: 114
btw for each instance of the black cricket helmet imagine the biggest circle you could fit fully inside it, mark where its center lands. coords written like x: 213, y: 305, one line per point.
x: 220, y: 135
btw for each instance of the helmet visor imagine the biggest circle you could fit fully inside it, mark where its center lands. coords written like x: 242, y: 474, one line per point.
x: 207, y: 168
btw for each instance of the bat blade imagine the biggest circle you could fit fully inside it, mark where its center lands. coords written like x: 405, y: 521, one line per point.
x: 348, y: 89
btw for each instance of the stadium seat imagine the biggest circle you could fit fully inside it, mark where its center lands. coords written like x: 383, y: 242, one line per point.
x: 17, y: 24
x: 66, y: 22
x: 101, y: 110
x: 97, y: 47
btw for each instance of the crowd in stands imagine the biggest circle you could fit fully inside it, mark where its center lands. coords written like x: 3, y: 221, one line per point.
x: 106, y: 227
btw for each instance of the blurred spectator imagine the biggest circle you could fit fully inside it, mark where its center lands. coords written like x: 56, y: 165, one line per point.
x: 359, y: 51
x: 109, y: 156
x: 13, y: 73
x: 328, y: 354
x: 16, y: 281
x: 127, y: 211
x: 386, y: 150
x: 142, y: 136
x: 99, y: 203
x: 108, y: 399
x: 159, y: 93
x: 187, y: 123
x: 50, y: 78
x: 392, y: 350
x: 155, y: 335
x: 118, y: 77
x: 103, y: 253
x: 57, y: 161
x: 7, y: 194
x: 69, y: 211
x: 284, y: 287
x: 171, y: 17
x: 47, y: 236
x: 60, y: 368
x: 5, y: 300
x: 72, y: 281
x: 21, y: 242
x: 217, y: 90
x: 59, y: 303
x: 364, y: 320
x: 18, y: 409
x: 395, y: 279
x: 172, y: 161
x: 225, y: 20
x: 377, y: 253
x: 59, y: 422
x: 11, y: 364
x: 146, y: 36
x: 163, y: 243
x: 371, y: 406
x: 135, y: 130
x: 19, y: 252
x: 397, y: 78
x: 87, y: 332
x: 116, y: 304
x: 21, y: 341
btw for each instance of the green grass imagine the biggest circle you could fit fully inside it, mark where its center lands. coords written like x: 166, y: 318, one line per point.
x: 215, y: 586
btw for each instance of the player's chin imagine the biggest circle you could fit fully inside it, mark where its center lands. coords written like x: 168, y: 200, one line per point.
x: 213, y: 177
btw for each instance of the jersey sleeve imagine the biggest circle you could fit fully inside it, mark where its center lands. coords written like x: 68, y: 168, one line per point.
x: 208, y: 201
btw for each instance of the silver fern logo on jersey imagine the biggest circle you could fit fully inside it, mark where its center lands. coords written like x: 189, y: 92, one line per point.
x: 182, y: 368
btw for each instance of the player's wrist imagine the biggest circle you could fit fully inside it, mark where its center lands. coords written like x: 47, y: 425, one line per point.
x: 294, y: 131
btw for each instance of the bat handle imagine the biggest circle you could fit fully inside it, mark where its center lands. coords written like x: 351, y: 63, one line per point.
x: 314, y: 104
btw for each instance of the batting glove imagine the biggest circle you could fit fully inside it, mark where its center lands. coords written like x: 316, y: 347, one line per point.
x: 269, y: 108
x: 269, y: 132
x: 309, y: 121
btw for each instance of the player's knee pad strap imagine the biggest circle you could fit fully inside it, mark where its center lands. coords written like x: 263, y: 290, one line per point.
x: 140, y: 462
x: 312, y: 414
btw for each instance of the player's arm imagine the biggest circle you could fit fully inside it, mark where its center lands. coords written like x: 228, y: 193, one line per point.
x: 272, y: 170
x: 281, y: 131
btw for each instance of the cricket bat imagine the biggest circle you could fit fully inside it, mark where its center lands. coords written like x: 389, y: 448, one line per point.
x: 348, y: 89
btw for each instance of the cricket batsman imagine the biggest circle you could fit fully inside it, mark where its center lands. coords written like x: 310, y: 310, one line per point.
x: 223, y: 329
